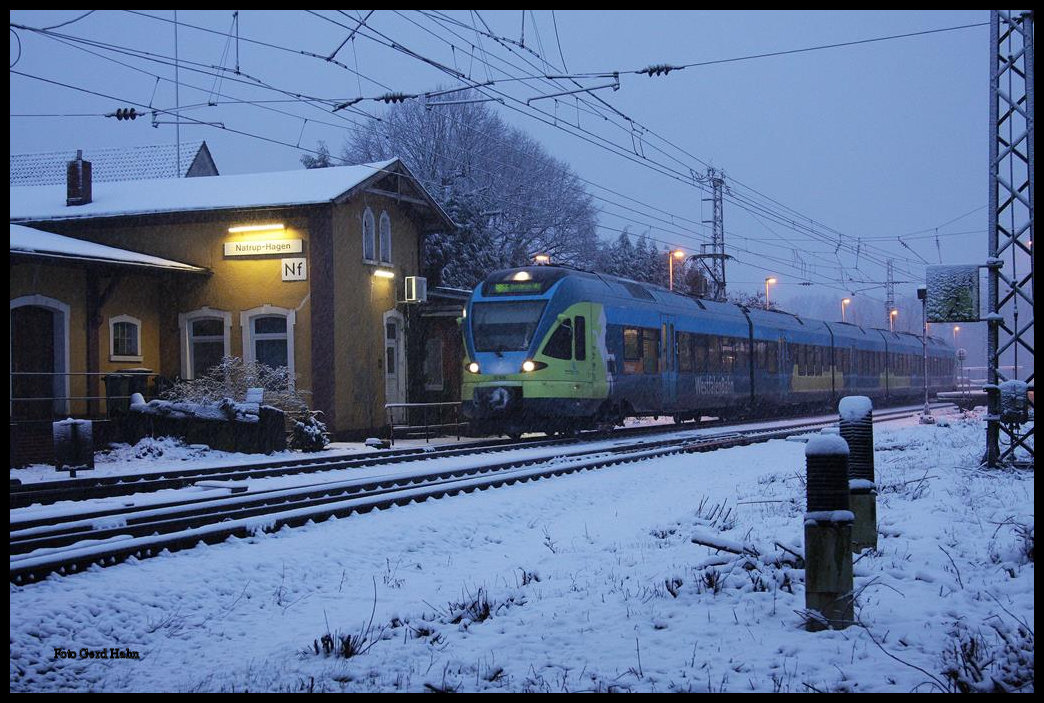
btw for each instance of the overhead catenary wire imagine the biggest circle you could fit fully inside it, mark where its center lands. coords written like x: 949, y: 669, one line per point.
x: 880, y: 258
x: 743, y: 199
x: 380, y: 97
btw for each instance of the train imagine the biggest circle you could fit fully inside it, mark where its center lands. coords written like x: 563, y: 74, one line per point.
x: 553, y: 349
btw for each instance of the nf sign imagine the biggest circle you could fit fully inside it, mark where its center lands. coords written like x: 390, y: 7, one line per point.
x: 295, y: 269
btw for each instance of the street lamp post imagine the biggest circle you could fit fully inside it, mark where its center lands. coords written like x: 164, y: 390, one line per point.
x: 768, y: 281
x: 922, y: 293
x: 676, y: 254
x: 844, y: 302
x: 891, y: 320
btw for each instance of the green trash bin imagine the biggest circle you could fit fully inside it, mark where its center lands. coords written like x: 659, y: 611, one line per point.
x: 120, y: 386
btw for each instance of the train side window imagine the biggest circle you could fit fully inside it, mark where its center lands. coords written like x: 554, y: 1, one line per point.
x: 761, y: 355
x: 560, y: 344
x: 632, y: 350
x: 651, y: 350
x: 685, y: 351
x: 728, y: 355
x: 700, y: 348
x: 632, y: 344
x: 713, y: 354
x: 742, y: 354
x: 580, y: 338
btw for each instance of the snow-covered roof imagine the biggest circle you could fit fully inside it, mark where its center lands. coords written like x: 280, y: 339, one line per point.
x: 116, y: 164
x: 116, y: 199
x: 26, y: 240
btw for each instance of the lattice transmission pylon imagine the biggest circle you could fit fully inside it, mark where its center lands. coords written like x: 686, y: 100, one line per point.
x: 1009, y: 437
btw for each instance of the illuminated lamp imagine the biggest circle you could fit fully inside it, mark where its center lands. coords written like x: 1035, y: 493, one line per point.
x: 384, y: 273
x: 271, y: 227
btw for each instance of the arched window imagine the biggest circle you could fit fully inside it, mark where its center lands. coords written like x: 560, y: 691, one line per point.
x: 385, y: 238
x: 268, y: 336
x: 369, y: 243
x: 124, y: 338
x: 204, y: 340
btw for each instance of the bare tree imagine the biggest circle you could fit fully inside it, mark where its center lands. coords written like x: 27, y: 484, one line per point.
x: 509, y: 197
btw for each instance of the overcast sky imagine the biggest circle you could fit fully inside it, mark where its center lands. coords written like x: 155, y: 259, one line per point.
x: 831, y: 154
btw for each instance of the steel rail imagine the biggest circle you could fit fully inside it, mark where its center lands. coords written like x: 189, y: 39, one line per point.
x: 39, y: 550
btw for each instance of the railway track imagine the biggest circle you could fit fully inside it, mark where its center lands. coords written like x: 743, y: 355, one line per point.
x: 47, y: 492
x: 41, y: 546
x: 101, y: 487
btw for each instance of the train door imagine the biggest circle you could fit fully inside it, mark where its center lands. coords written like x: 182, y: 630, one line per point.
x: 584, y: 354
x: 570, y: 344
x: 668, y: 362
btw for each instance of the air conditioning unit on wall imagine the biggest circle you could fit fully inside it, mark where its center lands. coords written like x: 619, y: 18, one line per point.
x: 416, y: 289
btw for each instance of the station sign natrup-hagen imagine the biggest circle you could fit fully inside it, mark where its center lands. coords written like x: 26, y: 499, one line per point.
x: 271, y: 247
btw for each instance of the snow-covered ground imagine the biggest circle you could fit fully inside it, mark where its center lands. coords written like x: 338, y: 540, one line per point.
x: 589, y: 582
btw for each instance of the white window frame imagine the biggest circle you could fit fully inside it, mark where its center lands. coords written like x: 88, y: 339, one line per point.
x: 384, y: 239
x: 185, y: 321
x: 113, y: 321
x: 246, y: 322
x: 369, y: 236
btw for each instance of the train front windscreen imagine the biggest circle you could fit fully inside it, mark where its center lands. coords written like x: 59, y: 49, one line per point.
x: 505, y: 326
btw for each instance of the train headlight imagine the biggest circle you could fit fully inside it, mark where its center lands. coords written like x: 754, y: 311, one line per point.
x: 530, y: 365
x: 473, y: 367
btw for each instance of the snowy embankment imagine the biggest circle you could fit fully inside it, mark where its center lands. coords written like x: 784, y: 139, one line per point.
x: 589, y: 582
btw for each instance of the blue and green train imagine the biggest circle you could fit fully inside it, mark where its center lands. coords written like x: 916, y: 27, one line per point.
x: 553, y: 349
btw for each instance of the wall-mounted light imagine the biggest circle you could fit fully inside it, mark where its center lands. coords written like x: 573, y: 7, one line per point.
x: 271, y: 227
x: 383, y: 273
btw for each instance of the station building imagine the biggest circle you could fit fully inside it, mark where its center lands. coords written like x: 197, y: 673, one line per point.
x: 314, y: 269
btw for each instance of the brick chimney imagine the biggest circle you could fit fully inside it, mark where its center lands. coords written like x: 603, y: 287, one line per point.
x: 78, y: 191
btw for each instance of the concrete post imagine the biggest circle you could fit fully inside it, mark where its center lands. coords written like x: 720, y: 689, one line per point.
x: 857, y: 429
x: 828, y: 534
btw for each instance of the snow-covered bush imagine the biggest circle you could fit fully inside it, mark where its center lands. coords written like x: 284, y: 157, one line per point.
x: 233, y: 377
x: 310, y: 434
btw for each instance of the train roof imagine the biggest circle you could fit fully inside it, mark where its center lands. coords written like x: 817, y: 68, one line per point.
x: 768, y: 324
x: 536, y: 280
